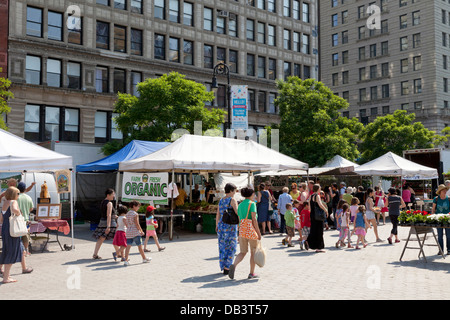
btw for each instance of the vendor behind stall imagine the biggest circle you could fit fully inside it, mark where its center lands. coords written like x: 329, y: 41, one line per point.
x: 179, y: 201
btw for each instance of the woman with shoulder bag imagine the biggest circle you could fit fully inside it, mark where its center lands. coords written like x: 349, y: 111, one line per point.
x: 12, y: 249
x: 315, y: 238
x: 227, y: 233
x: 249, y: 233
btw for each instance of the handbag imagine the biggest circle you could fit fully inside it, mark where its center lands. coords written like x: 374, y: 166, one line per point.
x: 246, y: 229
x: 319, y: 213
x: 229, y: 216
x: 260, y: 255
x: 17, y: 225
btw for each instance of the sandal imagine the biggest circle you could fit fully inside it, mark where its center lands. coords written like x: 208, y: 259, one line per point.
x: 96, y: 257
x: 146, y: 250
x: 161, y: 249
x: 27, y: 270
x: 9, y: 281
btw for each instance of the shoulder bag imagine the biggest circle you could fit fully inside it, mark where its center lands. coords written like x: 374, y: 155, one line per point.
x: 246, y: 229
x: 229, y: 216
x: 319, y: 213
x: 17, y: 225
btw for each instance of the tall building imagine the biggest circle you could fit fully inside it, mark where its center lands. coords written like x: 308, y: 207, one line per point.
x: 392, y: 56
x: 68, y: 59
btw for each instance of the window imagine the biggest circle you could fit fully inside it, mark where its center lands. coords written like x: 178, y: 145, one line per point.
x: 103, y: 2
x: 136, y: 77
x: 33, y: 70
x: 271, y: 5
x: 71, y: 125
x: 272, y: 107
x: 101, y: 126
x: 73, y: 75
x: 208, y: 19
x: 306, y: 49
x: 261, y: 67
x: 120, y: 4
x: 272, y: 69
x: 136, y: 6
x: 53, y: 73
x: 208, y: 56
x: 74, y: 30
x: 174, y: 49
x: 174, y: 11
x: 102, y: 35
x: 101, y: 80
x: 271, y: 40
x: 188, y: 14
x: 287, y: 70
x: 287, y: 8
x: 221, y: 55
x: 51, y: 126
x: 136, y: 42
x: 250, y: 64
x: 250, y: 29
x: 287, y: 39
x: 261, y: 101
x: 160, y: 8
x: 261, y: 37
x: 305, y: 12
x: 188, y: 52
x: 220, y: 25
x: 233, y: 61
x: 232, y: 25
x: 55, y: 22
x: 119, y: 81
x: 32, y: 122
x: 34, y: 22
x: 120, y: 39
x: 160, y: 47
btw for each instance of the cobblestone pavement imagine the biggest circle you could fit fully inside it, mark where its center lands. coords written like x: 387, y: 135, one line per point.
x: 189, y: 269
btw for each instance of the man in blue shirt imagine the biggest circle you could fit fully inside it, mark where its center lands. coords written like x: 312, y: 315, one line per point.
x: 283, y: 199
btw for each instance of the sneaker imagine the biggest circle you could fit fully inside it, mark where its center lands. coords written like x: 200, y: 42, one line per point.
x: 126, y: 263
x: 114, y: 256
x: 231, y: 271
x: 252, y: 276
x: 146, y: 260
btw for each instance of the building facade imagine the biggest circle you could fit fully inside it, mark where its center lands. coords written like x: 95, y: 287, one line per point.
x: 391, y: 56
x: 68, y: 59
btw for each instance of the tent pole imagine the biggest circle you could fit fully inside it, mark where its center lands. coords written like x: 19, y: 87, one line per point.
x: 71, y: 206
x: 190, y: 184
x: 171, y: 208
x: 117, y: 188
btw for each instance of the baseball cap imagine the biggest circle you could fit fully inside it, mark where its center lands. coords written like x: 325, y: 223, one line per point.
x: 150, y: 208
x: 21, y: 186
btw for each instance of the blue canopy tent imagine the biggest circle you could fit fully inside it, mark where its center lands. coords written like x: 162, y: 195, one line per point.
x: 92, y: 179
x: 135, y: 149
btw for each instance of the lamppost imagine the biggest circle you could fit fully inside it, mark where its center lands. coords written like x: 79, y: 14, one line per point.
x: 222, y: 69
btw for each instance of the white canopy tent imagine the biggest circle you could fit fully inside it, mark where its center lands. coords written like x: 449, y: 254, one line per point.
x: 213, y: 154
x: 20, y: 155
x: 391, y: 164
x: 336, y: 166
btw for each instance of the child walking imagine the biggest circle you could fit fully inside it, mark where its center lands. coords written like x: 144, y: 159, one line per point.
x: 344, y: 227
x: 152, y: 225
x: 120, y: 238
x: 298, y: 224
x: 290, y: 225
x: 305, y: 220
x: 353, y: 211
x: 134, y: 232
x: 360, y: 226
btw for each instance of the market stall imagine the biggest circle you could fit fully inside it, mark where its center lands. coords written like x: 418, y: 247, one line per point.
x: 20, y: 155
x: 92, y: 179
x: 192, y: 153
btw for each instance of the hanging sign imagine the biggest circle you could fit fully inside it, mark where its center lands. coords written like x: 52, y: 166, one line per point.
x: 239, y: 107
x: 145, y: 187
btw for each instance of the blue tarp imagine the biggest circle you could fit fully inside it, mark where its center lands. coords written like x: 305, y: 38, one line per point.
x: 135, y: 149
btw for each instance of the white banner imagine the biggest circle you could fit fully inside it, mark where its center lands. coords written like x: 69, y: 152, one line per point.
x: 239, y: 107
x: 145, y: 187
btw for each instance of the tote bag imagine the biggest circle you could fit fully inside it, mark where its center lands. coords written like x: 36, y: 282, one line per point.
x: 319, y: 213
x: 17, y: 225
x: 246, y: 229
x: 260, y: 255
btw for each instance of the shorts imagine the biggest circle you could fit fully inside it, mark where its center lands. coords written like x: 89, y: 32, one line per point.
x: 150, y: 233
x: 136, y: 240
x: 370, y: 215
x: 360, y: 231
x: 120, y: 239
x: 244, y: 243
x: 290, y: 231
x: 306, y: 231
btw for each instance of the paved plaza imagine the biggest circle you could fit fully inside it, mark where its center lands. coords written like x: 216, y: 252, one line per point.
x: 189, y: 270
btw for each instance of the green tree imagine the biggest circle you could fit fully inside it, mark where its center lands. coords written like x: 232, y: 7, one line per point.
x: 396, y: 132
x: 5, y: 95
x: 311, y: 128
x: 164, y: 105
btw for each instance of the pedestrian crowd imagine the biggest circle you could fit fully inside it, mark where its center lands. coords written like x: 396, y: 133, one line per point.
x: 305, y: 210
